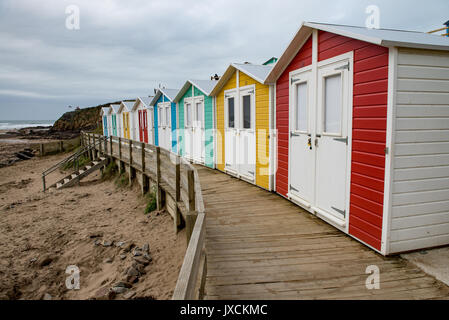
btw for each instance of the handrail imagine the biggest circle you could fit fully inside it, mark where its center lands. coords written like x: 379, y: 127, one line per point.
x: 190, y: 271
x: 74, y: 157
x: 68, y: 159
x: 193, y: 271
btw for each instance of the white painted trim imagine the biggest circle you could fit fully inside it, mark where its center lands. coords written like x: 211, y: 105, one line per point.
x: 275, y: 137
x: 336, y: 222
x: 347, y: 55
x: 348, y: 34
x: 302, y: 202
x: 214, y: 130
x: 349, y: 134
x: 314, y: 100
x: 389, y: 166
x: 306, y: 75
x: 297, y: 72
x: 342, y: 224
x: 312, y: 115
x: 349, y: 119
x: 270, y: 137
x: 253, y: 124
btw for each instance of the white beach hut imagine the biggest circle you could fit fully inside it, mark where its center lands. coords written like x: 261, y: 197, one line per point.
x: 140, y: 119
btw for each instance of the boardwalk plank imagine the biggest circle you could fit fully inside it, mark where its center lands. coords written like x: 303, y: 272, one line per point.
x: 261, y: 246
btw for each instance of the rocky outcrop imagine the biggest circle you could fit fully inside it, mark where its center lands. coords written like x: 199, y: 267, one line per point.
x: 81, y: 119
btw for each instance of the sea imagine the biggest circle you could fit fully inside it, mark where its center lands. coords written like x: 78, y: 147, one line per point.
x: 19, y: 124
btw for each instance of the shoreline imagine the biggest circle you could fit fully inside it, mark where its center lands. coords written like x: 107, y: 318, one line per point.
x: 13, y: 142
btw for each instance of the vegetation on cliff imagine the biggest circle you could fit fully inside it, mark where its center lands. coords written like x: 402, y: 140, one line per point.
x: 81, y: 119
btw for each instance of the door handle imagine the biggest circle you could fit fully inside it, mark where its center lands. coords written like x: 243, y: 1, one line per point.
x: 344, y: 140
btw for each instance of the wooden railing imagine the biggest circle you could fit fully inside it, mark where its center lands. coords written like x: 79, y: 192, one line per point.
x: 177, y: 186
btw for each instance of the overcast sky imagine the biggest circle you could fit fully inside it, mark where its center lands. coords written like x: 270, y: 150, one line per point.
x: 125, y: 48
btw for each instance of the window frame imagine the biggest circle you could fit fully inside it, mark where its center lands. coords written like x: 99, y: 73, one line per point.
x: 295, y: 106
x: 323, y: 75
x: 196, y: 101
x: 247, y: 91
x: 227, y: 95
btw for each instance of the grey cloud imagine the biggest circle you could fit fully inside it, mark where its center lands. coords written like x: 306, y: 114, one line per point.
x: 126, y: 48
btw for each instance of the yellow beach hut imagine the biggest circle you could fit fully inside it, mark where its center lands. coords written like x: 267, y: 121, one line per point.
x: 244, y: 123
x: 124, y: 111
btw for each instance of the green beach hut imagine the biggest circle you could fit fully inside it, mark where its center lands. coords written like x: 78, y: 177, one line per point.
x: 196, y: 121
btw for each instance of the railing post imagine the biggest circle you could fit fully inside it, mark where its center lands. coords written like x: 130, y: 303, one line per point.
x: 177, y: 219
x: 94, y: 149
x: 130, y: 145
x: 130, y: 142
x: 61, y: 146
x: 120, y: 166
x: 191, y: 186
x: 110, y: 147
x: 191, y: 213
x: 99, y: 146
x: 89, y: 150
x: 158, y: 179
x: 42, y: 149
x: 144, y: 177
x: 43, y: 182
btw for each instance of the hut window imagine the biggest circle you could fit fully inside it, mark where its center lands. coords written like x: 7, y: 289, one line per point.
x: 301, y: 107
x: 199, y: 114
x: 161, y: 120
x: 332, y: 104
x: 167, y: 116
x: 231, y: 113
x: 247, y: 112
x: 188, y: 114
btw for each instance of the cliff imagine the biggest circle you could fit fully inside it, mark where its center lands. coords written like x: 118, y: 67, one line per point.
x: 82, y: 119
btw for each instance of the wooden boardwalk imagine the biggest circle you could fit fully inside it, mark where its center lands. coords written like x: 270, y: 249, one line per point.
x: 261, y: 246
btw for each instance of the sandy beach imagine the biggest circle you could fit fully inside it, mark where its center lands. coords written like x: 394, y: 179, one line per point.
x: 43, y: 233
x: 11, y: 142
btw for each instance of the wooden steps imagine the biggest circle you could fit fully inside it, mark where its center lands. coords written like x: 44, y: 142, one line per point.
x: 75, y: 177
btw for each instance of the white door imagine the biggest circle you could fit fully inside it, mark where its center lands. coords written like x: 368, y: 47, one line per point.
x: 231, y: 132
x: 333, y: 100
x: 135, y: 125
x: 167, y: 126
x: 198, y: 130
x: 246, y: 142
x: 302, y: 153
x: 161, y: 125
x: 119, y: 125
x: 188, y: 128
x: 150, y: 116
